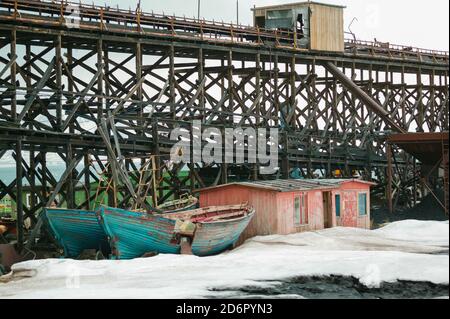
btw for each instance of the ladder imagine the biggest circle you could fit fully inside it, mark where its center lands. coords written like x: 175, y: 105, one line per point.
x: 147, y: 183
x: 105, y: 185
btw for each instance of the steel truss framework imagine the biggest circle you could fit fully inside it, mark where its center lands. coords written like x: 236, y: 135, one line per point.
x: 154, y: 73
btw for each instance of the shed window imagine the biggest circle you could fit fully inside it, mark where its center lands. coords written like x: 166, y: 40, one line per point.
x: 300, y: 210
x: 297, y: 212
x: 362, y: 204
x: 337, y: 199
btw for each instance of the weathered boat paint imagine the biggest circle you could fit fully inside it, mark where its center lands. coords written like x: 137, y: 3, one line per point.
x: 76, y: 230
x: 133, y: 234
x: 216, y: 237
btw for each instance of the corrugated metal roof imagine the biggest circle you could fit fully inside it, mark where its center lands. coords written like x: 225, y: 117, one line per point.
x: 290, y: 185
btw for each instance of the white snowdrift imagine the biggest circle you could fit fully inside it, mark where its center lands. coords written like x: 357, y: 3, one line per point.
x: 425, y: 232
x: 406, y: 236
x: 399, y: 251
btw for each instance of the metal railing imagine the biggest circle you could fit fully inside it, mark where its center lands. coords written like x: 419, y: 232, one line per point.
x: 393, y: 49
x: 94, y: 17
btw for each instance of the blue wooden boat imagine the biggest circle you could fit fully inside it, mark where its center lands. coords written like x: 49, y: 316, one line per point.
x: 211, y: 230
x: 76, y: 230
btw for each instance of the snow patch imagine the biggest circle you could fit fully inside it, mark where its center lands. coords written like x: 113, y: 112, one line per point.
x: 399, y: 251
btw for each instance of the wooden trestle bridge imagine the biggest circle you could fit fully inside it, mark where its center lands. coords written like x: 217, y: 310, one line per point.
x: 63, y: 70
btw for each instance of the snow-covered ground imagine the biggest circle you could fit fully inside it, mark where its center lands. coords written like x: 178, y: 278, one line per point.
x: 406, y: 250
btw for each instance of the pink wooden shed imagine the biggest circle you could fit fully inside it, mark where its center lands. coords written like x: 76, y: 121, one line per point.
x: 290, y: 206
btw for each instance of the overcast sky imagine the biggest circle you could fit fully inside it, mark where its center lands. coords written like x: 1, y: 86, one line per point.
x: 409, y: 22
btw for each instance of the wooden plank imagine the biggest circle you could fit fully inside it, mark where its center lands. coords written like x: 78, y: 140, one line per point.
x: 81, y: 98
x: 40, y: 85
x: 129, y: 95
x: 8, y: 66
x: 327, y: 28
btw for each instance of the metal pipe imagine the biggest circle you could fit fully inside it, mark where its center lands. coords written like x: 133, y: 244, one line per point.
x: 364, y: 97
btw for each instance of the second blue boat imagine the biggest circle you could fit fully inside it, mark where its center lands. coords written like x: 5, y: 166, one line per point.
x: 211, y: 230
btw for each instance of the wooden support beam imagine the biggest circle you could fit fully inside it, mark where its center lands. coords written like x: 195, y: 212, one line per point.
x: 81, y: 99
x: 100, y: 64
x: 19, y: 196
x: 58, y: 68
x: 389, y: 196
x: 37, y: 89
x: 172, y: 80
x: 129, y: 95
x: 202, y: 81
x: 118, y: 167
x: 70, y: 191
x: 13, y: 53
x: 9, y: 65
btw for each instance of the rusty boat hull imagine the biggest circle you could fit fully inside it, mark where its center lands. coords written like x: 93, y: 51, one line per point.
x: 134, y: 234
x: 76, y: 230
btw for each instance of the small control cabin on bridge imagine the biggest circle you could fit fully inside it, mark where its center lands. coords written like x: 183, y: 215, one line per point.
x: 317, y: 26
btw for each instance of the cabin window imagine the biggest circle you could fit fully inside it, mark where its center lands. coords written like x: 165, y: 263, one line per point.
x: 337, y: 199
x: 300, y: 210
x: 279, y: 14
x: 362, y: 204
x: 279, y: 19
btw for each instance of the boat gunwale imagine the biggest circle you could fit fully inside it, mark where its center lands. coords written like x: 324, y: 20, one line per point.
x: 223, y: 221
x: 246, y: 211
x: 210, y: 209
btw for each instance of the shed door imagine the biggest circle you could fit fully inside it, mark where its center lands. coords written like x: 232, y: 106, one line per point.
x: 349, y: 209
x: 327, y: 210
